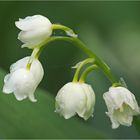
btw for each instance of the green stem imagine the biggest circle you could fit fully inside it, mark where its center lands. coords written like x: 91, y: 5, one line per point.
x: 88, y: 60
x: 68, y: 30
x: 86, y: 72
x: 32, y: 57
x: 78, y: 43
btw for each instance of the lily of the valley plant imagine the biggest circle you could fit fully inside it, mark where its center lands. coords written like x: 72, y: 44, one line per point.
x: 75, y: 97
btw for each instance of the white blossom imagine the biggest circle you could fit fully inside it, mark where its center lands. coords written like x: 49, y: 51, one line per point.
x: 122, y: 106
x: 75, y: 98
x: 34, y: 30
x: 21, y: 81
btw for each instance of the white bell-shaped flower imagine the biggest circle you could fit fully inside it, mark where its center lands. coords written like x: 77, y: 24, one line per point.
x: 35, y: 29
x: 21, y: 81
x: 75, y: 98
x: 122, y: 106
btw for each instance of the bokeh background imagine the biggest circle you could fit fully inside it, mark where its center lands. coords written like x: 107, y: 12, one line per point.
x: 111, y: 29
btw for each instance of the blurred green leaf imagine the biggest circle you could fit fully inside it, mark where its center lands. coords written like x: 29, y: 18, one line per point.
x: 137, y: 123
x: 37, y: 120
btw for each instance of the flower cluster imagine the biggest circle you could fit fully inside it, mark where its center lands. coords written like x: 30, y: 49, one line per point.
x: 76, y: 97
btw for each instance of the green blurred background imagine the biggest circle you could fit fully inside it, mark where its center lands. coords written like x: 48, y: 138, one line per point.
x: 111, y: 29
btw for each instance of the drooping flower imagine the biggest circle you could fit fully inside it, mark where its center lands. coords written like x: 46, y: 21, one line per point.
x: 34, y: 30
x: 122, y: 106
x: 21, y: 81
x: 75, y: 98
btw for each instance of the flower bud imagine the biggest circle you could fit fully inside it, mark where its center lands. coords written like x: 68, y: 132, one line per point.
x: 122, y: 106
x: 34, y: 30
x: 21, y: 81
x: 75, y: 98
